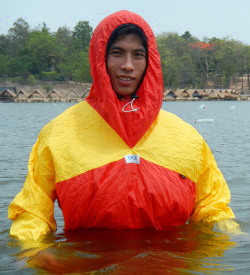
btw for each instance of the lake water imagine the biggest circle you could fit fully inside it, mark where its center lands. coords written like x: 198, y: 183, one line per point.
x: 188, y: 249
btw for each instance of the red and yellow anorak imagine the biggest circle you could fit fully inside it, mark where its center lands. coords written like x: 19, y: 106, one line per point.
x: 119, y: 170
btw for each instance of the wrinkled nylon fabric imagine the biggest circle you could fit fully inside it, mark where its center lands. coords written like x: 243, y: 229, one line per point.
x: 129, y: 201
x: 133, y: 125
x: 76, y: 164
x: 79, y: 159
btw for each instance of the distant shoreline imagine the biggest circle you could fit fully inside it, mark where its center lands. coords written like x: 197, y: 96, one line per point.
x: 75, y: 92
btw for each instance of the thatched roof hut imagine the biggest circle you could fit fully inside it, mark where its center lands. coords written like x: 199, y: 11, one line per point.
x: 203, y: 92
x: 208, y: 91
x: 213, y: 94
x: 231, y: 96
x: 37, y: 96
x: 56, y: 96
x: 227, y: 94
x: 22, y: 96
x: 7, y: 96
x: 224, y: 92
x: 169, y: 95
x: 244, y: 95
x: 194, y: 93
x: 182, y: 94
x: 221, y: 94
x: 71, y: 96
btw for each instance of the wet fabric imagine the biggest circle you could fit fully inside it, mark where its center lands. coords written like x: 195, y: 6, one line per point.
x: 116, y: 170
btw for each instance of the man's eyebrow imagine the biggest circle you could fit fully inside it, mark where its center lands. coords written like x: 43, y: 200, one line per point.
x: 115, y: 48
x: 142, y: 49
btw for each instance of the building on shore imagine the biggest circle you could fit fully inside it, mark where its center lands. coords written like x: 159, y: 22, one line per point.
x: 36, y: 96
x: 7, y: 96
x: 169, y: 95
x: 55, y: 95
x: 79, y: 92
x: 205, y: 94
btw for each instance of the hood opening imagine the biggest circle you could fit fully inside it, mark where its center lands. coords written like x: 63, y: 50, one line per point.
x: 130, y: 126
x: 119, y: 33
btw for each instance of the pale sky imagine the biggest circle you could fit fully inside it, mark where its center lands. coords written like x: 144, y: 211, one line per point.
x: 219, y: 18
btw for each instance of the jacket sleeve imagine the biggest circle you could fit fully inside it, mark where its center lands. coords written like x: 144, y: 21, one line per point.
x: 212, y: 194
x: 32, y: 210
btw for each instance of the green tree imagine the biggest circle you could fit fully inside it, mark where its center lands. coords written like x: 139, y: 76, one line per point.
x: 4, y: 65
x: 41, y: 46
x: 228, y: 60
x: 4, y: 44
x: 64, y: 37
x: 174, y: 43
x: 17, y: 36
x: 82, y: 68
x: 186, y: 71
x: 82, y: 34
x: 19, y: 66
x: 31, y: 80
x: 170, y: 72
x: 65, y: 50
x: 188, y: 37
x: 76, y: 67
x: 203, y: 54
x: 177, y: 64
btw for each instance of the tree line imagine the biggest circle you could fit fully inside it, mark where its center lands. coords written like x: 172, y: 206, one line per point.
x: 30, y: 55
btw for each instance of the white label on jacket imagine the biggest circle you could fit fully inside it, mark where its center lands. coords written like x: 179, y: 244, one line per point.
x: 132, y: 159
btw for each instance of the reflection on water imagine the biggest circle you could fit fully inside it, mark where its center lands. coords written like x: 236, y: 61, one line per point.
x: 189, y: 249
x: 181, y: 249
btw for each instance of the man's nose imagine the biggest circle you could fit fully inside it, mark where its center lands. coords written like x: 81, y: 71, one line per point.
x: 128, y: 63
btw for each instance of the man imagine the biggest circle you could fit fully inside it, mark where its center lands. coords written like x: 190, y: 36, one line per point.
x: 116, y: 160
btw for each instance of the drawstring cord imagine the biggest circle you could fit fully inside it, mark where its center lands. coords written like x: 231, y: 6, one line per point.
x: 131, y: 106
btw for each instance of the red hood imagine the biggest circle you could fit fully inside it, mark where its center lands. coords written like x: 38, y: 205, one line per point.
x: 130, y: 126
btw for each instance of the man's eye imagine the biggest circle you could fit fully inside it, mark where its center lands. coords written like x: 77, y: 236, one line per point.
x: 140, y: 55
x: 115, y: 53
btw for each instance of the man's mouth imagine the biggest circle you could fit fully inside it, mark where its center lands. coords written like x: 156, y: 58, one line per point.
x: 125, y: 78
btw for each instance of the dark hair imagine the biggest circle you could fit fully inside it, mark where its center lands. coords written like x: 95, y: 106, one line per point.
x: 124, y: 30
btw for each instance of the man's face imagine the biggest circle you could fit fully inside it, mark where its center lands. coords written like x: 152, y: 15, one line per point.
x: 126, y: 63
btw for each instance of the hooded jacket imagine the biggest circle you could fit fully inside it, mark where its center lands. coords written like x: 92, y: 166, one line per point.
x: 112, y: 169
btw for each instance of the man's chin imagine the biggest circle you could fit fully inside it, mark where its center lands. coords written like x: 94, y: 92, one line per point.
x: 124, y: 93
